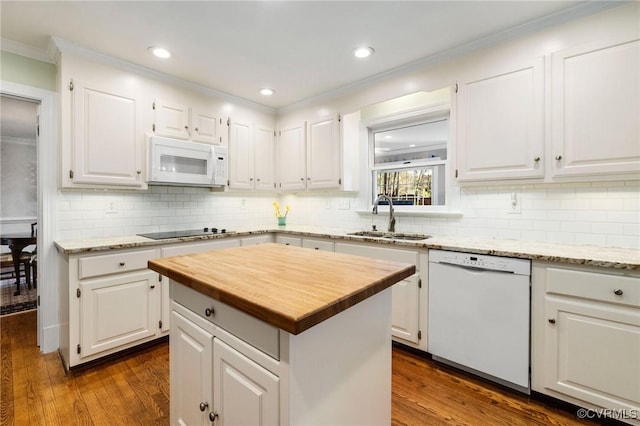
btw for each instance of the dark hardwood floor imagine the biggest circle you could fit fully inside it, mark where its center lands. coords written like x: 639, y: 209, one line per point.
x: 134, y: 389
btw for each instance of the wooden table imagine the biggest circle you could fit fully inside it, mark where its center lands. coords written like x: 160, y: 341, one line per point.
x: 17, y: 242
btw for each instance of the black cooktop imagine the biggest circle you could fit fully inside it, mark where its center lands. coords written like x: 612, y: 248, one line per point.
x: 184, y: 233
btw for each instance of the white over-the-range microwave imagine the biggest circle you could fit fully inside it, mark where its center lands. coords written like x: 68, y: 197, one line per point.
x: 185, y: 163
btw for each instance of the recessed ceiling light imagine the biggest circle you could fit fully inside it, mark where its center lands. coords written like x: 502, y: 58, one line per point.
x: 388, y: 137
x: 412, y: 146
x: 159, y: 52
x: 267, y: 92
x: 363, y: 52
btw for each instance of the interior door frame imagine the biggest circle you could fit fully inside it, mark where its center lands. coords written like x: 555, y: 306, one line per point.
x: 48, y: 294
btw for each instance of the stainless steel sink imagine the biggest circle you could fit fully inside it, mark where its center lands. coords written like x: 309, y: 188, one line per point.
x: 390, y: 235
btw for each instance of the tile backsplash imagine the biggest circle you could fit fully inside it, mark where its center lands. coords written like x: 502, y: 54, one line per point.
x: 606, y: 214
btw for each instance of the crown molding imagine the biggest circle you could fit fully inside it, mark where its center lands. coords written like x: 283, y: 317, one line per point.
x: 582, y: 9
x: 22, y: 49
x: 63, y: 46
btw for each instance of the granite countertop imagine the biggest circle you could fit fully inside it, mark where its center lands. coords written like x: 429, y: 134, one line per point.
x: 606, y: 257
x: 288, y: 287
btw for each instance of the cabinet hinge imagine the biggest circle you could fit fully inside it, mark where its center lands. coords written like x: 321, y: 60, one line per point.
x: 38, y: 130
x: 456, y: 87
x: 220, y: 139
x: 279, y: 132
x: 339, y: 117
x: 153, y: 127
x: 419, y: 282
x: 419, y: 334
x: 153, y: 106
x: 456, y: 172
x: 71, y: 85
x: 159, y: 277
x: 228, y: 121
x: 339, y: 181
x: 274, y: 185
x: 160, y: 324
x: 78, y: 292
x: 228, y: 183
x: 274, y: 133
x: 70, y: 174
x: 78, y: 349
x: 38, y: 300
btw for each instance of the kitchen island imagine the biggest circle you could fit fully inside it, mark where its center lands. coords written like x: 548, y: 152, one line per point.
x: 273, y: 334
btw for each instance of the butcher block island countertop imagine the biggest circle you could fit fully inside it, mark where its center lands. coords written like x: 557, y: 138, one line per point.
x: 289, y: 287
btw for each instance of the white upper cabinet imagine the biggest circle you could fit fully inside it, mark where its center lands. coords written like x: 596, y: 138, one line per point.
x: 501, y: 123
x: 175, y: 120
x: 251, y: 156
x: 264, y: 158
x: 292, y: 158
x: 595, y: 108
x: 171, y: 119
x: 323, y: 153
x: 320, y: 154
x: 106, y: 147
x: 205, y: 127
x: 240, y: 155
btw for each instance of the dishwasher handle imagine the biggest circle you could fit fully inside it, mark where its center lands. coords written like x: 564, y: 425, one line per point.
x: 475, y: 268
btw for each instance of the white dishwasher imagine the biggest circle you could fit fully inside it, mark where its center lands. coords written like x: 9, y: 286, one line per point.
x: 479, y: 315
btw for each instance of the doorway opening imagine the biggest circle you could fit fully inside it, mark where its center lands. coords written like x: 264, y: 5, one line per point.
x: 18, y: 203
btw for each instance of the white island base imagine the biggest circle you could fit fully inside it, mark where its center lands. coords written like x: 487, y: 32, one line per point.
x: 242, y: 371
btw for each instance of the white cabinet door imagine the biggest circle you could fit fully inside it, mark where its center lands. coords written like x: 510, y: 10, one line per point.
x: 323, y: 154
x: 118, y: 310
x: 592, y: 352
x: 240, y: 155
x: 501, y: 124
x: 405, y: 302
x: 106, y: 148
x: 205, y: 127
x: 264, y: 158
x: 191, y: 352
x: 292, y: 159
x: 595, y: 109
x: 244, y: 393
x: 171, y: 119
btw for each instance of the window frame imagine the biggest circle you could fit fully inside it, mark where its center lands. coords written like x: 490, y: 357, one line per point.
x: 404, y: 119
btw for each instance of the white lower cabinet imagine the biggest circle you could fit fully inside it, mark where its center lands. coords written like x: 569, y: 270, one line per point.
x: 409, y: 303
x: 288, y: 241
x: 215, y: 376
x: 586, y: 339
x: 111, y: 302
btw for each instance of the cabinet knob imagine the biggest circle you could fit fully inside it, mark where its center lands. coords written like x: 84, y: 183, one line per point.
x: 258, y: 179
x: 618, y: 292
x: 213, y: 416
x: 152, y: 286
x: 204, y: 406
x: 186, y: 127
x: 552, y: 320
x: 196, y: 129
x: 536, y: 159
x: 209, y: 311
x: 308, y: 178
x: 558, y: 157
x: 302, y: 179
x: 121, y: 263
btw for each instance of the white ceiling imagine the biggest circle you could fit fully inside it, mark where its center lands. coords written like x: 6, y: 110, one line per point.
x: 300, y: 49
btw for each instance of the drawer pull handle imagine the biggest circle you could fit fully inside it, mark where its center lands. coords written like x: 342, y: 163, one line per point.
x: 204, y: 406
x: 121, y: 263
x: 558, y: 157
x: 552, y: 320
x: 152, y: 286
x: 618, y: 292
x: 536, y: 159
x: 209, y: 311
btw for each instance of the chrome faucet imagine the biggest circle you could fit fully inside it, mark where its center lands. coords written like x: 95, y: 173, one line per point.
x: 392, y: 220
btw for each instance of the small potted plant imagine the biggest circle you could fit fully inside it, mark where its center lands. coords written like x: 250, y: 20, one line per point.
x: 282, y: 218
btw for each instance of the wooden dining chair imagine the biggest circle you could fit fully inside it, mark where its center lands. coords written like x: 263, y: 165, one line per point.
x: 6, y: 262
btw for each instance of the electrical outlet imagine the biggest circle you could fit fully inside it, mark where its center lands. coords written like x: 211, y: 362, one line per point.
x: 343, y: 204
x: 111, y: 207
x: 243, y: 203
x: 515, y: 202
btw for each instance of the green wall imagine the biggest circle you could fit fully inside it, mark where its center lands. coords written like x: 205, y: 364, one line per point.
x: 27, y: 71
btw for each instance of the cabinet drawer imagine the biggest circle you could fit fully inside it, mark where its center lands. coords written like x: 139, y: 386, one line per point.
x: 289, y: 241
x: 114, y: 263
x: 393, y: 255
x: 317, y: 244
x: 255, y: 332
x: 595, y: 286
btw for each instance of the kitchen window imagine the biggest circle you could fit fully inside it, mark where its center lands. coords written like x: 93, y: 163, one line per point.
x: 410, y: 162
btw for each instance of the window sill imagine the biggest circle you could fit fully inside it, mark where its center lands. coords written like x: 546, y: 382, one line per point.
x: 420, y: 213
